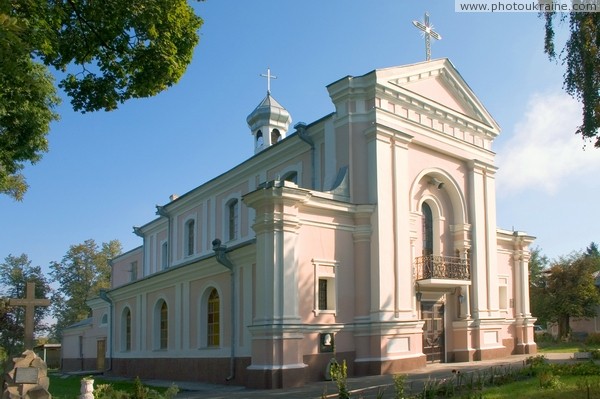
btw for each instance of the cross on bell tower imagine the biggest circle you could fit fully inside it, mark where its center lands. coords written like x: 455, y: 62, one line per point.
x: 269, y: 77
x: 428, y: 33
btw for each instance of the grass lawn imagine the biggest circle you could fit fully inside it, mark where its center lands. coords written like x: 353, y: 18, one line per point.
x: 69, y: 387
x: 563, y: 347
x: 570, y: 387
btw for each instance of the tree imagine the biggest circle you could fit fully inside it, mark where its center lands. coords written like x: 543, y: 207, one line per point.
x: 106, y: 52
x: 592, y: 251
x: 570, y: 291
x: 27, y: 100
x: 82, y: 273
x: 538, y: 264
x: 15, y: 272
x: 581, y: 57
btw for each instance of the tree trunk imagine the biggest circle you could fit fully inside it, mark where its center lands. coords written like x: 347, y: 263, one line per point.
x: 563, y: 327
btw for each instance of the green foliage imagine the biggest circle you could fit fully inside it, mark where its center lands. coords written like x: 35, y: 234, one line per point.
x: 27, y: 101
x: 581, y: 59
x: 339, y: 373
x: 536, y: 361
x: 548, y: 380
x: 592, y: 339
x: 399, y: 385
x: 15, y: 272
x: 62, y: 387
x: 569, y: 291
x: 82, y: 273
x: 108, y: 52
x: 538, y: 263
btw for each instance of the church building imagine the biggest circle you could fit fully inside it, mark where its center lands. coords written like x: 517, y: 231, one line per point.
x: 368, y: 235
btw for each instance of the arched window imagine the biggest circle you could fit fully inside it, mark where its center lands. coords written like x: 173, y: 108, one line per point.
x: 427, y: 229
x: 126, y: 330
x: 275, y: 136
x: 259, y: 139
x: 162, y: 330
x: 232, y: 219
x: 213, y: 322
x: 291, y: 176
x: 190, y: 227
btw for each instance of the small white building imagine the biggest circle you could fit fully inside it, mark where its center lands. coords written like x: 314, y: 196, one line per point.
x: 368, y: 235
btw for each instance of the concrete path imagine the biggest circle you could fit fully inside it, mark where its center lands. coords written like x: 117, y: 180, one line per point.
x: 360, y: 387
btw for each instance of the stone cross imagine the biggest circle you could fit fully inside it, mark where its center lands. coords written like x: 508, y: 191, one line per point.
x: 269, y: 77
x: 428, y: 32
x: 29, y: 303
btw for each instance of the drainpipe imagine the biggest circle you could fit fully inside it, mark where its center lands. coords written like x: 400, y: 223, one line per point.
x: 104, y: 296
x: 223, y: 259
x: 301, y: 129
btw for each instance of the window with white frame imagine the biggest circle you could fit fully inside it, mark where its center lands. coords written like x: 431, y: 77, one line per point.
x: 232, y: 210
x: 164, y: 255
x: 213, y: 319
x: 126, y: 329
x: 503, y: 293
x: 189, y: 234
x: 133, y: 272
x: 325, y: 298
x: 161, y: 325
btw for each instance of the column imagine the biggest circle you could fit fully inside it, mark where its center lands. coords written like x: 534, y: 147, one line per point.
x: 276, y: 337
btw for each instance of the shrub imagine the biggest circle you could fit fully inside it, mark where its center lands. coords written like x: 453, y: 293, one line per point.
x: 339, y: 373
x: 593, y: 339
x: 548, y: 380
x: 106, y: 391
x: 536, y: 361
x: 399, y: 385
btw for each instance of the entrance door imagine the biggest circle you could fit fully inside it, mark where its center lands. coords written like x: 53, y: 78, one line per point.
x: 100, y: 354
x: 433, y: 330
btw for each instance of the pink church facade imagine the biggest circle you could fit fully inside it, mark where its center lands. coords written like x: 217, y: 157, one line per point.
x: 368, y: 235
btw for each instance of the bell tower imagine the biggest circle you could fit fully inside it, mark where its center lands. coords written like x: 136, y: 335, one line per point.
x: 269, y: 121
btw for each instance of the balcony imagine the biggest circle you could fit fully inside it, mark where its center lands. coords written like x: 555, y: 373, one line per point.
x: 442, y: 271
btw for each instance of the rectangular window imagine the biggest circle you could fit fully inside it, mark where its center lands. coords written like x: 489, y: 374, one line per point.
x: 191, y: 225
x: 128, y: 331
x: 325, y: 291
x: 233, y: 219
x: 133, y: 271
x: 323, y: 294
x: 503, y: 293
x: 164, y: 255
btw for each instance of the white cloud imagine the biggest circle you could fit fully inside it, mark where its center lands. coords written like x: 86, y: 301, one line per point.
x: 544, y: 152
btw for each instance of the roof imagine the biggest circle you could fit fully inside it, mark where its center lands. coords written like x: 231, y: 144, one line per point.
x: 82, y: 323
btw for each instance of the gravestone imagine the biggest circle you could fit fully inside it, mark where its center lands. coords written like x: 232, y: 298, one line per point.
x: 28, y: 378
x: 29, y: 303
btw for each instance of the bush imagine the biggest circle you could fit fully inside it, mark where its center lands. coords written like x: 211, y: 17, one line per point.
x: 106, y: 391
x: 536, y: 361
x: 593, y: 339
x: 548, y: 380
x: 399, y: 385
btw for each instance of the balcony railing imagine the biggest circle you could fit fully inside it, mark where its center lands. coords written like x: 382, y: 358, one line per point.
x: 442, y: 267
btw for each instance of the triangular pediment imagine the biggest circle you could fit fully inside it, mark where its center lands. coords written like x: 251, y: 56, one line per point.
x: 439, y: 84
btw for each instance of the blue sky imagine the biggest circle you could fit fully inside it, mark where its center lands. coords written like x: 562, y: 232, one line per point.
x: 105, y: 172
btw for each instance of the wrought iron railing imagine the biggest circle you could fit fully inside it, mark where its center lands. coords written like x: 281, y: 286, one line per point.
x: 446, y: 267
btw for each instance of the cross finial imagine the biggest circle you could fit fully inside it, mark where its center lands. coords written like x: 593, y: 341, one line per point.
x: 428, y: 33
x: 269, y: 77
